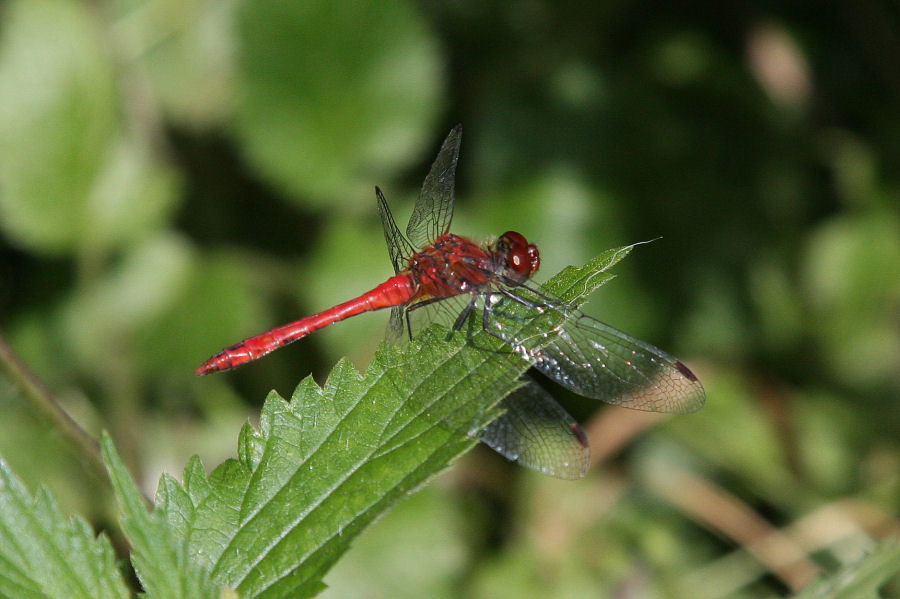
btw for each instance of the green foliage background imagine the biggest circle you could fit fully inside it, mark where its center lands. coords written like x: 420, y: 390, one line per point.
x: 176, y: 176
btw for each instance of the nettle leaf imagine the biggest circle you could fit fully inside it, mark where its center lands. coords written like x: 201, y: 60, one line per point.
x: 574, y: 284
x: 324, y: 465
x: 43, y: 554
x: 159, y: 554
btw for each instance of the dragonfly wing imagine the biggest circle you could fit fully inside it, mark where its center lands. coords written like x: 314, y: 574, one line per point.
x: 596, y: 360
x: 396, y: 327
x: 538, y: 433
x: 399, y: 249
x: 410, y: 320
x: 434, y: 209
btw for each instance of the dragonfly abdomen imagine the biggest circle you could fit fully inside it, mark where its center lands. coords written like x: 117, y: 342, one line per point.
x: 396, y: 291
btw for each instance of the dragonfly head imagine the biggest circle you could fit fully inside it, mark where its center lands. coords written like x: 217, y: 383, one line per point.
x: 519, y: 259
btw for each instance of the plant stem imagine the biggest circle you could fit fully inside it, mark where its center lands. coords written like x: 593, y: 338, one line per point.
x: 38, y: 396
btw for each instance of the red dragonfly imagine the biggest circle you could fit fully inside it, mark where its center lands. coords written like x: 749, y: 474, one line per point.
x: 582, y: 354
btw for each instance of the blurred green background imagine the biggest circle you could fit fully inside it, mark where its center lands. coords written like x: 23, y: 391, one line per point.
x: 178, y: 175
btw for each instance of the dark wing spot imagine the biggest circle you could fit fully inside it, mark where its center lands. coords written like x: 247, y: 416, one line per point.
x: 579, y: 434
x: 685, y: 371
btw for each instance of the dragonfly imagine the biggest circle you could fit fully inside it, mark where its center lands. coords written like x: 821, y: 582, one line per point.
x: 434, y: 269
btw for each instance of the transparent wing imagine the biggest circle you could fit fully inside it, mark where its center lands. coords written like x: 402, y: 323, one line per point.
x: 408, y: 321
x: 399, y: 249
x: 434, y: 209
x: 538, y: 433
x: 594, y: 359
x: 396, y: 329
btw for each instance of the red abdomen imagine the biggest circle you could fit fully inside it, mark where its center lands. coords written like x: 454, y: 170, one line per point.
x: 396, y: 291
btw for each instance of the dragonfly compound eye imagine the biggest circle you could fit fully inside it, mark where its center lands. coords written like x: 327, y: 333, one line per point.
x: 522, y: 258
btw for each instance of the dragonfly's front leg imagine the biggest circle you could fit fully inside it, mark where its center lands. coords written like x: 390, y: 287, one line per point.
x: 521, y: 300
x: 489, y: 301
x: 461, y: 319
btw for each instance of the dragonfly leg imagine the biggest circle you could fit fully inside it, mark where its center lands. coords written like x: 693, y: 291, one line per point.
x: 489, y: 310
x: 518, y: 299
x: 486, y: 317
x: 546, y: 299
x: 461, y: 319
x: 417, y: 305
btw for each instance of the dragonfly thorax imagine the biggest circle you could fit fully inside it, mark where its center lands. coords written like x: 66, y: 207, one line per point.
x: 450, y: 266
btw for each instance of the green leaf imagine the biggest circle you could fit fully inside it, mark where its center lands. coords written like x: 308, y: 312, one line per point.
x: 334, y: 92
x: 70, y: 177
x: 575, y: 284
x: 45, y: 555
x: 325, y: 465
x: 859, y: 580
x: 57, y: 116
x: 160, y: 557
x: 394, y: 559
